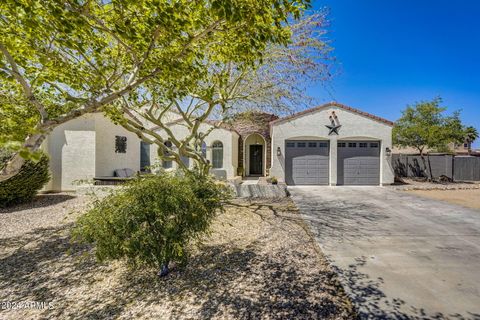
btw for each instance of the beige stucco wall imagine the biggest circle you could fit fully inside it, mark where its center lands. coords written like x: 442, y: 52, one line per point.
x: 312, y: 126
x: 84, y: 148
x: 71, y: 147
x: 107, y: 160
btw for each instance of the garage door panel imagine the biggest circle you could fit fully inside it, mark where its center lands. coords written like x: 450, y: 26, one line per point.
x: 298, y: 162
x: 358, y: 166
x: 307, y: 163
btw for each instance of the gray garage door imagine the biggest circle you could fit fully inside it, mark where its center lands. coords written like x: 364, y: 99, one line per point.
x: 358, y: 163
x: 306, y: 162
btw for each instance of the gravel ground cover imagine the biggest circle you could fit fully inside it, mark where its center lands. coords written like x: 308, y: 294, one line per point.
x: 468, y: 198
x: 258, y: 263
x: 410, y: 184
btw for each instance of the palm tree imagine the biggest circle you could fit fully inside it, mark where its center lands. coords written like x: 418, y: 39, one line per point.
x: 471, y: 134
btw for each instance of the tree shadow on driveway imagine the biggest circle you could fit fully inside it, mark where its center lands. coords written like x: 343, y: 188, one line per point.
x: 366, y: 292
x: 352, y: 224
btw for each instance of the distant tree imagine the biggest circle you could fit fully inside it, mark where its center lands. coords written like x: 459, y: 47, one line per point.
x: 471, y: 134
x: 62, y: 59
x: 424, y: 126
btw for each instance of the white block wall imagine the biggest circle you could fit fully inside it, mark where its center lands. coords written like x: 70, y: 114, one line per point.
x: 71, y: 147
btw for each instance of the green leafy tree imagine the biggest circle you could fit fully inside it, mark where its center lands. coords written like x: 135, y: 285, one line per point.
x: 471, y: 134
x: 62, y: 59
x: 152, y: 220
x: 425, y: 126
x: 276, y: 83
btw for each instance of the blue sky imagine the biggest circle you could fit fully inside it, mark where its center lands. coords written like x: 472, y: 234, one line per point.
x: 396, y: 52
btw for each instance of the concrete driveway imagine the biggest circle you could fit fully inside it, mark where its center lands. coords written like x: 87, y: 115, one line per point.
x: 399, y: 256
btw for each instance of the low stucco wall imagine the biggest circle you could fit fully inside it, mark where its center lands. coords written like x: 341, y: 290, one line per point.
x: 71, y: 147
x: 313, y: 126
x: 84, y: 148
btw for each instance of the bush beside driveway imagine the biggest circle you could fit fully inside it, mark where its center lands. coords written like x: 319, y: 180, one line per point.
x: 258, y: 263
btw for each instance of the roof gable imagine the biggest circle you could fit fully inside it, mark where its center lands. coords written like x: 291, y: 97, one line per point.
x: 328, y: 105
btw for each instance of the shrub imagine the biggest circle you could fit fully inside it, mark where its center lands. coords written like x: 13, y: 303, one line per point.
x: 4, y: 157
x: 24, y: 186
x: 152, y: 219
x: 273, y: 180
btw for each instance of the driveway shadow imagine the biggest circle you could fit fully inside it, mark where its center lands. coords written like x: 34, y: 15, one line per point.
x: 335, y: 218
x: 352, y: 225
x: 366, y: 292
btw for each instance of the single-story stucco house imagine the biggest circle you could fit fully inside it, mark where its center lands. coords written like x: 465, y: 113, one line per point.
x: 332, y: 144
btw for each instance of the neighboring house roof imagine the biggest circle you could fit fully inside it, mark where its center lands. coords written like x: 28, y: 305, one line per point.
x: 326, y: 106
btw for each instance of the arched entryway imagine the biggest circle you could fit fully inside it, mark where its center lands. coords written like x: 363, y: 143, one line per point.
x: 254, y: 160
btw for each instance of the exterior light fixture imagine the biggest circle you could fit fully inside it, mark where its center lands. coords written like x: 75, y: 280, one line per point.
x: 279, y: 152
x: 388, y: 152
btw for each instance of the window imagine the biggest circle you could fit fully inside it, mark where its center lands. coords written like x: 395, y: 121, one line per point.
x: 312, y: 144
x: 204, y: 150
x: 352, y: 145
x: 301, y: 144
x: 341, y: 145
x: 167, y: 164
x: 120, y: 144
x: 374, y: 145
x: 217, y: 155
x: 290, y: 144
x: 144, y: 156
x: 363, y: 145
x: 323, y: 144
x: 465, y: 145
x: 185, y: 160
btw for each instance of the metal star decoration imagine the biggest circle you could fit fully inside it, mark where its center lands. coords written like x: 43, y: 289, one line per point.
x: 335, y: 124
x: 334, y: 128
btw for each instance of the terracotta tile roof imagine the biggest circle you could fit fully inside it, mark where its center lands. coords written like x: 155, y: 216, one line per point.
x: 225, y: 126
x: 327, y: 105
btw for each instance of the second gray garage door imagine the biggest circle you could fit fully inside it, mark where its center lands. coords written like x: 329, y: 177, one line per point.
x: 358, y: 163
x: 307, y: 162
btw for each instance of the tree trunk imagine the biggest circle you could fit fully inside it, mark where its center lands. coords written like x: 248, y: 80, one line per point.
x: 204, y: 168
x: 430, y: 168
x: 424, y: 161
x: 14, y: 165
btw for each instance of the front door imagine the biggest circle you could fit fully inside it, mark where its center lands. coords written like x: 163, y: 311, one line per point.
x: 256, y: 159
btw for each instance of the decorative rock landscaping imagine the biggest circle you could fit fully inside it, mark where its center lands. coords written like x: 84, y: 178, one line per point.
x: 420, y: 185
x: 258, y: 263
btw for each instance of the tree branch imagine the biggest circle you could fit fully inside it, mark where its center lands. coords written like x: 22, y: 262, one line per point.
x: 27, y: 89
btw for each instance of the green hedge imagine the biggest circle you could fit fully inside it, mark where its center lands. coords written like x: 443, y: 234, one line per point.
x: 24, y: 186
x: 4, y: 157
